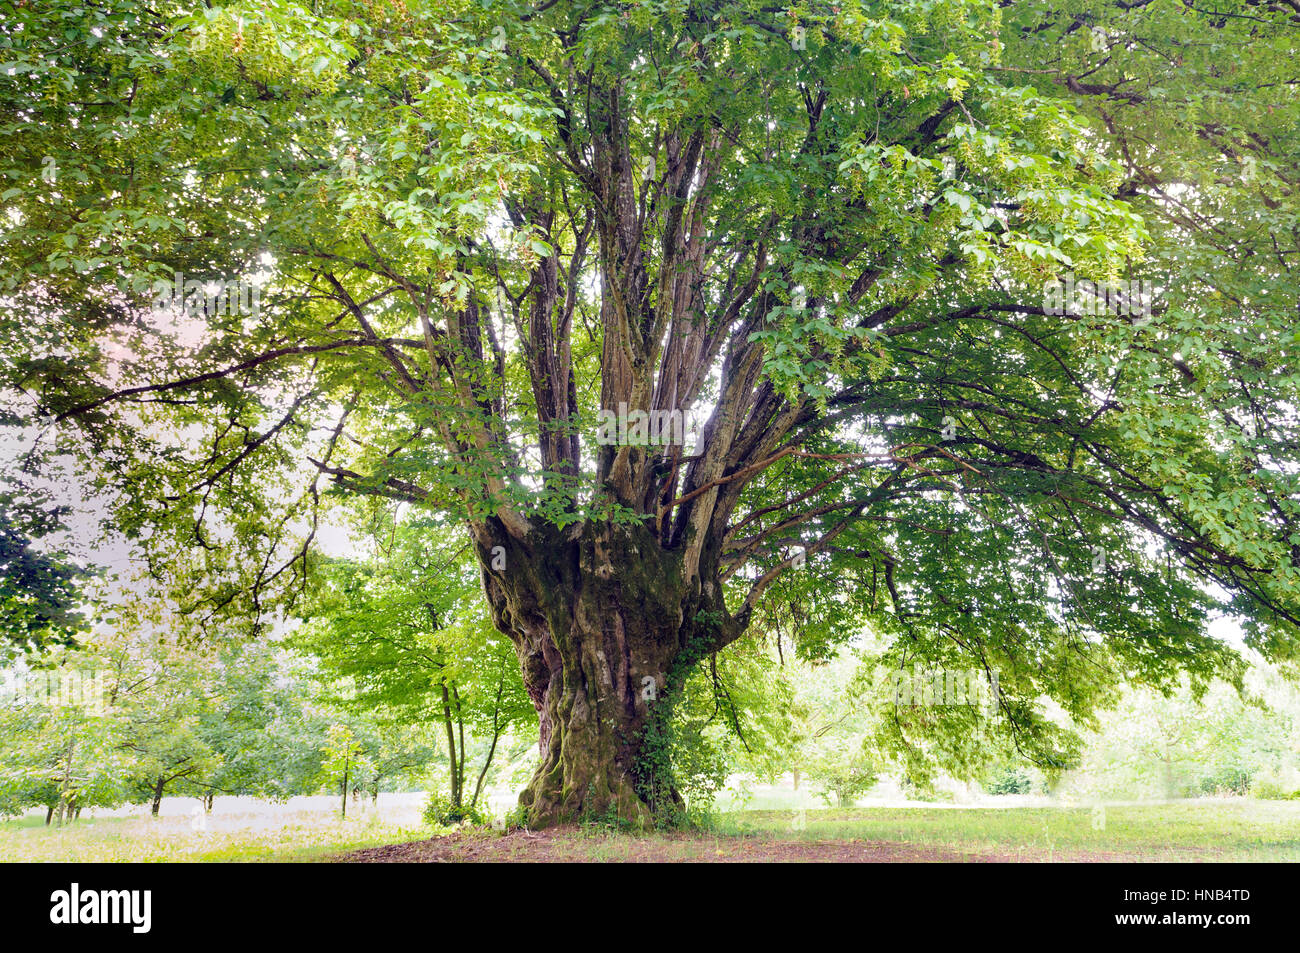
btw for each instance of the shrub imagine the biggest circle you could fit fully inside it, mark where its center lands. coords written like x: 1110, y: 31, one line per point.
x: 515, y: 818
x: 1277, y: 786
x: 845, y: 782
x: 1011, y: 781
x: 1226, y: 781
x: 439, y: 811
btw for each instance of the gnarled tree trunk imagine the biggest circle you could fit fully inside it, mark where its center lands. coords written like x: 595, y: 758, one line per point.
x: 601, y: 617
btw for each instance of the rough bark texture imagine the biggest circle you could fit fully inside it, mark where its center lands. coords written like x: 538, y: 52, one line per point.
x: 599, y: 616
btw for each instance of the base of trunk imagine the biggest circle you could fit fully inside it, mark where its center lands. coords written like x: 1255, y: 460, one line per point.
x: 549, y: 801
x: 603, y: 621
x: 592, y: 748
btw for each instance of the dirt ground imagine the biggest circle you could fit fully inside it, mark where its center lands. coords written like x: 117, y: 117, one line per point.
x: 574, y: 845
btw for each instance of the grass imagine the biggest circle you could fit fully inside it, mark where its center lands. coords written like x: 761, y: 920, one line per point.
x: 1212, y: 830
x: 1228, y: 830
x: 300, y: 837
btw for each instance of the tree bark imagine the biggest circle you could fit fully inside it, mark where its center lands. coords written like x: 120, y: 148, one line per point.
x: 65, y: 786
x: 452, y: 763
x: 343, y: 810
x: 157, y: 796
x: 603, y: 621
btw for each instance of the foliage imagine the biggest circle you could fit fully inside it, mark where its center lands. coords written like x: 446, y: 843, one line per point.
x: 845, y: 771
x: 60, y: 756
x: 1277, y: 786
x: 402, y: 637
x: 1010, y: 780
x: 40, y: 590
x: 1178, y: 745
x: 440, y: 811
x: 476, y: 225
x: 149, y: 715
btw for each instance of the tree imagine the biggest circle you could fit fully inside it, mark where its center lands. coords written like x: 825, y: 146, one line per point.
x: 1183, y: 745
x: 830, y: 738
x: 403, y: 641
x: 513, y: 251
x: 61, y: 753
x: 129, y: 716
x: 262, y: 723
x: 163, y: 692
x: 40, y: 591
x: 396, y: 753
x: 344, y: 757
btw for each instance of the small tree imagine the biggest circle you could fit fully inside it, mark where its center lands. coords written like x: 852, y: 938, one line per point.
x: 402, y: 641
x: 343, y: 759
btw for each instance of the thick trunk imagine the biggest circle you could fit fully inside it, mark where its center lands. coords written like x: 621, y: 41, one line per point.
x: 602, y: 620
x: 157, y: 796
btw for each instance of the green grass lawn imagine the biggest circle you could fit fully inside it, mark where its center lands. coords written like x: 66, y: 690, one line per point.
x: 302, y: 837
x: 1218, y: 830
x: 1236, y: 830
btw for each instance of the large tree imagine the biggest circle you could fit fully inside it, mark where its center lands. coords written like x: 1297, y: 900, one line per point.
x: 822, y: 232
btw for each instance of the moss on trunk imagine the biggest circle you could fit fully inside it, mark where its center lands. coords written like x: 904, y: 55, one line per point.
x: 599, y: 615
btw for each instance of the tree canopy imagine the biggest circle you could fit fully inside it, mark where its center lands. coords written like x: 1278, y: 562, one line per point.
x: 822, y: 234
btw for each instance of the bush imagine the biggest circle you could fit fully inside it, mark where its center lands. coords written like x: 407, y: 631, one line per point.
x: 1226, y: 781
x: 439, y: 811
x: 844, y: 769
x: 1011, y: 781
x: 515, y: 818
x: 1277, y: 786
x: 846, y: 783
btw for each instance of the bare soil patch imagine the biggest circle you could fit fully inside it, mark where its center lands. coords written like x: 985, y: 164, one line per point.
x: 573, y: 845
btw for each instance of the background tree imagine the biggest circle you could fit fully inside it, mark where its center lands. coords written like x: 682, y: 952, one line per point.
x: 262, y: 722
x: 40, y: 588
x: 1175, y: 746
x: 164, y: 694
x: 396, y: 754
x: 402, y: 639
x: 830, y: 734
x: 60, y: 753
x: 345, y: 757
